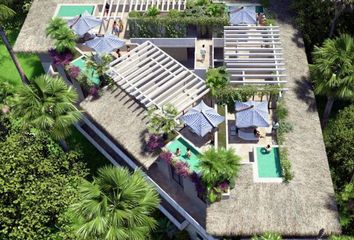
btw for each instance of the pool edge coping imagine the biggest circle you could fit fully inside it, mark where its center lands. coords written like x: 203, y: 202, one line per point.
x: 73, y: 4
x: 258, y: 179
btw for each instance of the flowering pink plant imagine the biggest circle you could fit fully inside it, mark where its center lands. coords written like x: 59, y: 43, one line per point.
x: 74, y: 71
x: 223, y: 186
x: 155, y: 142
x: 60, y: 58
x: 167, y: 156
x: 182, y: 168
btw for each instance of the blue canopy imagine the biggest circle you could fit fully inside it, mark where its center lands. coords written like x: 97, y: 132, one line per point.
x: 105, y: 44
x: 83, y: 23
x: 243, y: 15
x: 202, y: 119
x: 251, y: 114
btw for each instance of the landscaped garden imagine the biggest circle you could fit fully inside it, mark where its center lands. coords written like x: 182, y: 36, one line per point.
x: 206, y: 18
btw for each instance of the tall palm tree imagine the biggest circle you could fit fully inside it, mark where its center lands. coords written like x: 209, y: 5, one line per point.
x: 48, y: 104
x: 64, y: 38
x: 5, y: 11
x: 333, y: 71
x: 116, y: 205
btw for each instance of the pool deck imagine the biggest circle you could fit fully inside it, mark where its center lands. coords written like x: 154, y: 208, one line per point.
x: 305, y: 205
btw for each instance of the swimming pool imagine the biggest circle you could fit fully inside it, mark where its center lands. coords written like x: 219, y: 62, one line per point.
x: 267, y: 167
x: 183, y: 144
x: 72, y: 10
x: 81, y: 63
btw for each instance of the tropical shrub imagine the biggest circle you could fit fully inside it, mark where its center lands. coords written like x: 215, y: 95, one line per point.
x: 268, y: 236
x: 73, y: 72
x: 345, y: 199
x: 37, y: 184
x: 286, y: 165
x: 173, y: 13
x: 116, y: 205
x: 152, y: 11
x: 162, y: 121
x: 215, y: 10
x: 339, y: 141
x: 216, y: 79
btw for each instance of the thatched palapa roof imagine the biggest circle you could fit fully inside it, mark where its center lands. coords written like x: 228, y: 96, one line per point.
x: 124, y: 119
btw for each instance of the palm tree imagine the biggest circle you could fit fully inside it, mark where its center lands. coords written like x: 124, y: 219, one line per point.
x: 100, y: 64
x: 339, y: 7
x: 218, y: 165
x: 333, y: 71
x: 64, y: 40
x: 48, y: 104
x: 5, y: 12
x: 116, y: 205
x: 162, y: 121
x: 54, y: 26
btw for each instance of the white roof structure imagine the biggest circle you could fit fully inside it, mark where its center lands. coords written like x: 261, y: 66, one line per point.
x: 155, y: 79
x: 253, y: 55
x: 140, y: 6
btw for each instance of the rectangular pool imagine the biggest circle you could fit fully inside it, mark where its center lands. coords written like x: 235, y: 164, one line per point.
x: 71, y: 10
x: 267, y: 164
x: 91, y: 74
x: 182, y: 144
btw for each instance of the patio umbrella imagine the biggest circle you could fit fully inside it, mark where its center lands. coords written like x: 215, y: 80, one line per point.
x: 202, y: 119
x: 83, y: 23
x: 105, y: 44
x: 251, y: 114
x: 243, y: 15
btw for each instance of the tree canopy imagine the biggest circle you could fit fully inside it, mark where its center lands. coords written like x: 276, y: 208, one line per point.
x: 116, y: 205
x: 339, y: 142
x: 37, y: 183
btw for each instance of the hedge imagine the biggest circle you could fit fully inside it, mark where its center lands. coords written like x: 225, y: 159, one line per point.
x: 167, y: 27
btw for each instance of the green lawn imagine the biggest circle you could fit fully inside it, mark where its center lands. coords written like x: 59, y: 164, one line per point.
x: 222, y: 128
x: 29, y: 62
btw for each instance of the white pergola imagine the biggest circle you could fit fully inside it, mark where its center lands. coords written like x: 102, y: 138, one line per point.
x: 253, y: 55
x: 154, y: 78
x: 119, y: 7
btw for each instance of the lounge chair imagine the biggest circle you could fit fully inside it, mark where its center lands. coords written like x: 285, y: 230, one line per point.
x: 247, y: 136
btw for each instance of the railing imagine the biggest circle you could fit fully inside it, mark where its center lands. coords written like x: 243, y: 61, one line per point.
x: 162, y: 193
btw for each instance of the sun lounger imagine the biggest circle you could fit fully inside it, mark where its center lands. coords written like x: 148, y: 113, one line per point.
x: 247, y: 136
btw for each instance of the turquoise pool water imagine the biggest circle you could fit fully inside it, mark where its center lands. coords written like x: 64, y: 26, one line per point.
x: 268, y: 163
x: 74, y: 10
x: 92, y: 75
x: 182, y: 144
